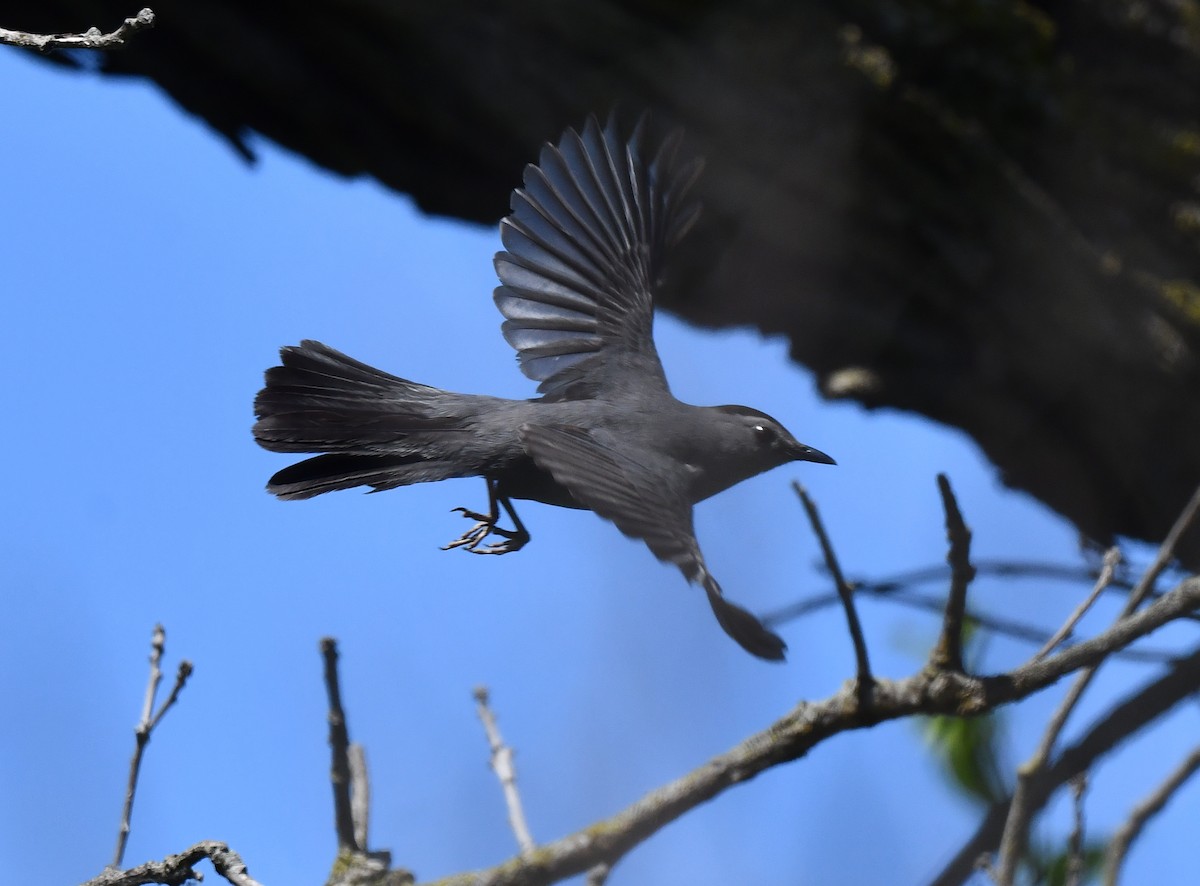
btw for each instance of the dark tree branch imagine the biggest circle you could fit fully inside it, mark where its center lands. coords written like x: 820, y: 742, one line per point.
x: 355, y: 865
x: 808, y: 725
x: 90, y: 39
x: 845, y: 592
x: 1000, y: 569
x: 900, y: 587
x: 891, y: 593
x: 339, y: 745
x: 947, y: 655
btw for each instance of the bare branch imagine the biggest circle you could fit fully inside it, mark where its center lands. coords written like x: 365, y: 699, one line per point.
x: 1020, y: 814
x: 1118, y: 848
x: 506, y: 771
x: 809, y: 724
x: 90, y: 39
x: 339, y: 745
x: 1141, y: 708
x: 1021, y: 810
x: 355, y: 865
x: 1112, y: 557
x: 947, y: 655
x: 845, y: 592
x: 145, y: 727
x: 177, y: 869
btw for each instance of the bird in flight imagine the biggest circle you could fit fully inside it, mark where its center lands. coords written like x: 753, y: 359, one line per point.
x: 585, y: 249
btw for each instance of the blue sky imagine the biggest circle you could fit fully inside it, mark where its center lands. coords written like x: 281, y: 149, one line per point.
x: 149, y: 278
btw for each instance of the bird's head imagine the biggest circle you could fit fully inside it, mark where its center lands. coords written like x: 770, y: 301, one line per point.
x: 758, y: 442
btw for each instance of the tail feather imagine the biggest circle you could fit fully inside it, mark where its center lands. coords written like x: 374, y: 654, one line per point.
x: 320, y: 400
x: 310, y: 362
x: 327, y: 473
x: 380, y: 430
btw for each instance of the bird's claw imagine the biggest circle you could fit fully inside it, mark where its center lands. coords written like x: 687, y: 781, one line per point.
x: 486, y: 525
x: 472, y: 538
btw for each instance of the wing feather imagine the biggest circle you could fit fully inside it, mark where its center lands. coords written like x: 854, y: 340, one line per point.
x: 606, y: 479
x: 585, y: 245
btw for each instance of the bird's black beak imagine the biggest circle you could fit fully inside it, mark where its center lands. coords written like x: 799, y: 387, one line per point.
x: 806, y: 453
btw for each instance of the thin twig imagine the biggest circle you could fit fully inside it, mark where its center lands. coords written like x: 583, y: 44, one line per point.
x: 845, y: 592
x: 1112, y: 557
x: 143, y: 730
x: 158, y: 647
x: 90, y: 39
x: 181, y: 677
x: 947, y: 654
x: 339, y: 746
x: 158, y: 642
x: 1154, y: 802
x: 1005, y: 626
x: 899, y: 586
x: 506, y: 771
x: 1002, y: 569
x: 1076, y: 864
x: 1016, y: 829
x: 1166, y: 553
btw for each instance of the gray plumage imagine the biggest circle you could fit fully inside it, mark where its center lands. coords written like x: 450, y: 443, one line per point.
x: 585, y: 245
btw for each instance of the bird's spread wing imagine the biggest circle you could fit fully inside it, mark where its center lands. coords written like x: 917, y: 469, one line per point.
x: 637, y: 496
x: 585, y: 248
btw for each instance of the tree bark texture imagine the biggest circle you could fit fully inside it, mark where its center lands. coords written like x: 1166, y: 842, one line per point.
x: 986, y: 213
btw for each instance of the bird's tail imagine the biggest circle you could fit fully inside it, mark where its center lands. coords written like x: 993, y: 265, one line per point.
x: 745, y: 629
x: 376, y: 429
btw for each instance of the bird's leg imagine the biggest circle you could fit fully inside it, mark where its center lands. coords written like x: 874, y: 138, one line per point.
x: 514, y: 539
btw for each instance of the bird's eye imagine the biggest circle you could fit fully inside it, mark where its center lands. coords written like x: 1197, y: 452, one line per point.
x: 763, y: 433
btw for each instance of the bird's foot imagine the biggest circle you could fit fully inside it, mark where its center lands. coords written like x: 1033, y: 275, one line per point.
x: 485, y: 526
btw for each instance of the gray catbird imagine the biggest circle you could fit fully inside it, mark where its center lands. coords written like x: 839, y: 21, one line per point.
x: 585, y: 246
